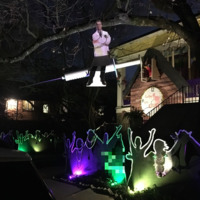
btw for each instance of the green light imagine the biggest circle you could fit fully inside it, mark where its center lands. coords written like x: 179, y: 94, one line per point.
x: 115, y: 159
x: 114, y: 183
x: 115, y: 167
x: 22, y: 148
x: 38, y: 142
x: 118, y: 177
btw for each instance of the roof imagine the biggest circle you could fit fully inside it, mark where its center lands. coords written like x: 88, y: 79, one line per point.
x: 164, y: 66
x: 131, y: 82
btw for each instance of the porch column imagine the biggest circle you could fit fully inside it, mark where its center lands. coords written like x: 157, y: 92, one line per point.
x: 189, y: 62
x: 173, y: 61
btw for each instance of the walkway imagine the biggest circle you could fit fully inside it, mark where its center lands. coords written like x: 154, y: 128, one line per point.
x: 64, y: 191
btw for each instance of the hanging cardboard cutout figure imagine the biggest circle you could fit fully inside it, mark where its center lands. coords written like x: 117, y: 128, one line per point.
x: 101, y: 40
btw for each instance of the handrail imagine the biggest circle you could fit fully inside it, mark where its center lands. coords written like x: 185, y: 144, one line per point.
x: 188, y: 94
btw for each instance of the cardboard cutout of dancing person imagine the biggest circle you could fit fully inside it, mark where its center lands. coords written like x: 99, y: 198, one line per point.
x: 101, y: 40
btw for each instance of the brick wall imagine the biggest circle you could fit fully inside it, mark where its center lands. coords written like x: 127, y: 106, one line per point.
x: 164, y: 84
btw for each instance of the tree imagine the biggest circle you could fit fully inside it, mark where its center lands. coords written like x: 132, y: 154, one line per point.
x: 60, y: 21
x: 135, y: 118
x: 42, y: 39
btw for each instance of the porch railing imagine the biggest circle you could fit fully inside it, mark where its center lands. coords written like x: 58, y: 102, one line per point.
x: 189, y: 94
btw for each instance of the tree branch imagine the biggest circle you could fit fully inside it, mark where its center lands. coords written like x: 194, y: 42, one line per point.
x: 28, y: 23
x: 46, y: 8
x: 119, y: 20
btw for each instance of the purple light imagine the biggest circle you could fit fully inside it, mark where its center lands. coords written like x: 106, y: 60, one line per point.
x: 78, y: 172
x: 75, y: 174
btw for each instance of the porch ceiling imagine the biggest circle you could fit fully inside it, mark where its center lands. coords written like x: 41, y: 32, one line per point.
x: 124, y: 53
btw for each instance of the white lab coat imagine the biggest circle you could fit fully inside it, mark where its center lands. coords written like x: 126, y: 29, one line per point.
x: 101, y: 43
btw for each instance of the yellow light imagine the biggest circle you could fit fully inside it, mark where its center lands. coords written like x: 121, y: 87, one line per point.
x: 130, y: 191
x: 168, y: 164
x: 139, y: 186
x: 11, y: 104
x: 37, y: 147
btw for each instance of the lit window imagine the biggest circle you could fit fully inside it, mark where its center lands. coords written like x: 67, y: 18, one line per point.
x: 11, y: 104
x: 28, y: 106
x: 45, y: 108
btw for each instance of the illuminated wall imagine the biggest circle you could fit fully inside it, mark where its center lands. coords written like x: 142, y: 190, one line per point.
x: 162, y: 165
x: 96, y: 154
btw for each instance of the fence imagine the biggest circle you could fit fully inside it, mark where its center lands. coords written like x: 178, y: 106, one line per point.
x: 189, y: 94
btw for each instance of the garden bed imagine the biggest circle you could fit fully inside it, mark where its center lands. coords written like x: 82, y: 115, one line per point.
x: 102, y: 183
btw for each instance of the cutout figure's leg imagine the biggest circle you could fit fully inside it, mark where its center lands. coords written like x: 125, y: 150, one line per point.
x: 102, y: 76
x: 92, y: 72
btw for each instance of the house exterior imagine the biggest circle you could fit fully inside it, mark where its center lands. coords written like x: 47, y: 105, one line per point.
x: 19, y: 109
x: 149, y: 87
x: 172, y: 70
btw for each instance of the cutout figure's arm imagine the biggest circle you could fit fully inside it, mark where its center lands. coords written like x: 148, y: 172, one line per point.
x: 71, y: 145
x: 181, y: 146
x: 99, y: 140
x: 94, y: 139
x: 179, y: 142
x: 115, y: 136
x: 149, y: 142
x: 96, y: 40
x: 195, y: 144
x: 108, y: 38
x: 95, y: 37
x: 129, y: 156
x: 122, y: 143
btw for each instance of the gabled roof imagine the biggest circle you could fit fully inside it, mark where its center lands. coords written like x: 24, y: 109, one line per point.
x: 164, y: 67
x: 131, y: 82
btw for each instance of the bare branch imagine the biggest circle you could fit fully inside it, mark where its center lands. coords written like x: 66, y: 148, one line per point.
x: 123, y: 5
x: 28, y: 22
x: 127, y: 5
x: 46, y: 8
x: 121, y: 19
x: 119, y: 4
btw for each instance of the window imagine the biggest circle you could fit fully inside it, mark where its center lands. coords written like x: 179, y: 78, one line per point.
x: 11, y: 104
x: 28, y: 106
x: 45, y: 108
